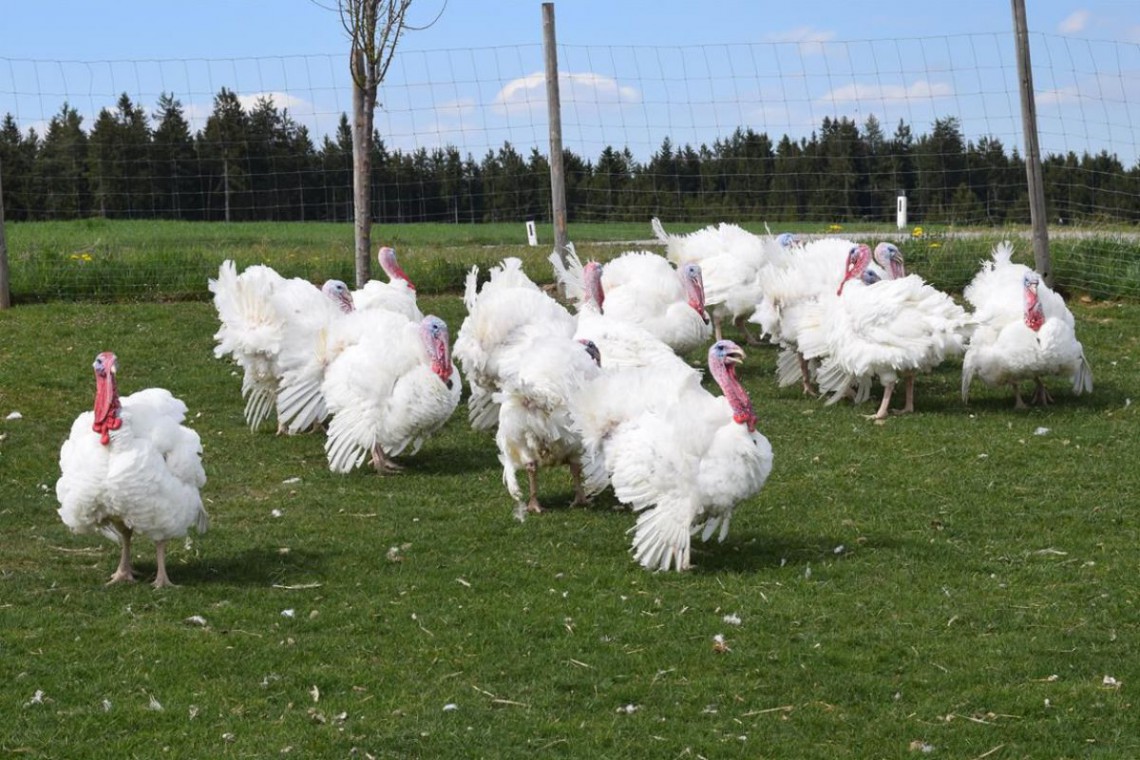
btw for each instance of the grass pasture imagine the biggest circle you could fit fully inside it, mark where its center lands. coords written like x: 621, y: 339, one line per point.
x: 959, y: 583
x: 98, y: 259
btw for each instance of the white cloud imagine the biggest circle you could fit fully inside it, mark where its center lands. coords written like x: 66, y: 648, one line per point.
x: 1059, y: 96
x: 300, y: 110
x: 281, y: 100
x: 1074, y: 23
x: 888, y: 93
x: 529, y: 92
x: 810, y: 41
x: 455, y: 109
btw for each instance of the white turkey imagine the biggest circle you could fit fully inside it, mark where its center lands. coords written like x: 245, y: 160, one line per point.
x: 498, y: 315
x: 130, y: 467
x: 623, y: 344
x: 679, y: 456
x: 398, y: 294
x: 262, y: 313
x: 389, y: 392
x: 304, y: 359
x: 1024, y: 332
x: 731, y: 260
x: 885, y: 329
x: 540, y: 373
x: 644, y: 289
x: 791, y: 285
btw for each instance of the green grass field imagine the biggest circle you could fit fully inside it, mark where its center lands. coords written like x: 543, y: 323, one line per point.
x: 960, y: 583
x: 97, y: 259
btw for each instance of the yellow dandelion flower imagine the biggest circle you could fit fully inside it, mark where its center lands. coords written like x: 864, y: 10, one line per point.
x: 917, y: 232
x: 936, y: 245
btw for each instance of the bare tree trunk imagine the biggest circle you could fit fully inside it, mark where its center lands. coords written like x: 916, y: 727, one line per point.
x: 375, y: 27
x: 363, y: 109
x: 5, y: 295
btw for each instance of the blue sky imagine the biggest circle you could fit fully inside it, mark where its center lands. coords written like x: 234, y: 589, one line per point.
x: 633, y: 71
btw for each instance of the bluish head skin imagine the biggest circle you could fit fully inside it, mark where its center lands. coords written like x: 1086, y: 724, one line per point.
x: 1034, y: 311
x: 434, y: 333
x: 890, y: 258
x: 693, y: 282
x: 870, y: 277
x: 724, y: 355
x: 786, y: 239
x: 106, y: 397
x: 338, y: 291
x: 857, y: 260
x: 592, y: 274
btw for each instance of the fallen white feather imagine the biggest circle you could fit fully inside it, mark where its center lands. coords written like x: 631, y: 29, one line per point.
x: 290, y: 481
x: 450, y: 706
x: 1041, y: 431
x: 14, y: 416
x: 154, y: 705
x: 195, y: 620
x: 732, y: 618
x: 288, y: 613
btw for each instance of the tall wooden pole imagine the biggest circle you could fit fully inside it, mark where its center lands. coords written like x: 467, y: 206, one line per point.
x: 5, y: 295
x: 554, y: 113
x: 1033, y: 173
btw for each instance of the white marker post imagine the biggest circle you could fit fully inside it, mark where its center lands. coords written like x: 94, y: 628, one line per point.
x: 901, y: 211
x: 531, y: 233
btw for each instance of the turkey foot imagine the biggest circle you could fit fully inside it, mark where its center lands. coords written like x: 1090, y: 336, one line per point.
x: 882, y: 413
x: 1041, y: 395
x: 908, y: 407
x: 532, y: 504
x: 123, y: 573
x: 382, y: 463
x: 161, y: 580
x: 580, y: 498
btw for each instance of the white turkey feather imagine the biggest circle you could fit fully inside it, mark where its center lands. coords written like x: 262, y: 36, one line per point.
x: 680, y: 457
x: 497, y: 314
x: 1004, y: 350
x: 145, y: 479
x: 383, y: 393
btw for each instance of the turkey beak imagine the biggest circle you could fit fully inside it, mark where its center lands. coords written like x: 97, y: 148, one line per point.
x: 734, y: 356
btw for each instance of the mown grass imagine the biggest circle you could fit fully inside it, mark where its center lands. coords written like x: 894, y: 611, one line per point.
x: 962, y: 580
x: 96, y: 259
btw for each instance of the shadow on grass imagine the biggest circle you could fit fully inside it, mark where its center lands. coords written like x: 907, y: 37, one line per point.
x: 1105, y: 396
x: 258, y: 566
x: 750, y: 552
x: 450, y: 459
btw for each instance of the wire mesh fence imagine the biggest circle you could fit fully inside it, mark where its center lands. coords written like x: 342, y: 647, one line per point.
x: 803, y: 133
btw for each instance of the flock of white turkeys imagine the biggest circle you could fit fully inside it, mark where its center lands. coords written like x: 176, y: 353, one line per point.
x: 600, y: 389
